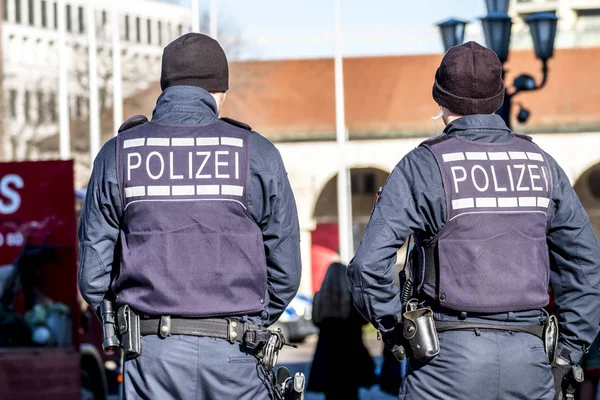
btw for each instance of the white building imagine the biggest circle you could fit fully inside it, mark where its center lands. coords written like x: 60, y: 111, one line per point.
x: 30, y: 54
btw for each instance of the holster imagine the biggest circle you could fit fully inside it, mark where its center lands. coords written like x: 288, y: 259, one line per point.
x: 550, y: 338
x: 129, y: 328
x: 419, y: 329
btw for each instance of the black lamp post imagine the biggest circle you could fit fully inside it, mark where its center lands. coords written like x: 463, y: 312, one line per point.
x: 497, y: 28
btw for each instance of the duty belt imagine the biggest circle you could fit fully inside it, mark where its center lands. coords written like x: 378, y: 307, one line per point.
x: 536, y: 330
x: 229, y: 329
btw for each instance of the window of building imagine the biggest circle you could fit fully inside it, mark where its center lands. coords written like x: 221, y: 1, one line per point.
x: 12, y: 103
x: 55, y: 7
x: 80, y: 20
x: 40, y: 107
x: 180, y: 29
x: 104, y: 17
x: 149, y: 28
x: 5, y: 10
x: 160, y: 33
x: 18, y: 11
x: 69, y: 26
x: 44, y: 14
x: 52, y: 109
x: 30, y: 10
x: 27, y: 105
x: 138, y: 29
x: 127, y: 37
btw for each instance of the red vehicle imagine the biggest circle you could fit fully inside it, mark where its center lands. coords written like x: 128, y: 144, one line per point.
x: 50, y: 342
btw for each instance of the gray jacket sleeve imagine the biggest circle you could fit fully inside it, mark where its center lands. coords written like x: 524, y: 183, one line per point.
x: 412, y: 201
x: 273, y: 207
x: 574, y: 268
x: 98, y: 230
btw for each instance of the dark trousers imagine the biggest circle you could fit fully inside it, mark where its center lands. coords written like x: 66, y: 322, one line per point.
x: 483, y: 365
x: 189, y: 367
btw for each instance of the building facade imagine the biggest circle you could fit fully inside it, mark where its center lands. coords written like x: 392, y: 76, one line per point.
x: 31, y: 58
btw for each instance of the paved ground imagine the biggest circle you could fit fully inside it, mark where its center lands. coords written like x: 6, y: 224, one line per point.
x: 299, y: 360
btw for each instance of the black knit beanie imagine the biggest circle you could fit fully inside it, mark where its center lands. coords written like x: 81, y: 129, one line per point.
x: 195, y: 59
x: 469, y: 80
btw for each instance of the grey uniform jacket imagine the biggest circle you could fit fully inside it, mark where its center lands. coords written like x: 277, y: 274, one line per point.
x: 413, y: 202
x: 271, y: 204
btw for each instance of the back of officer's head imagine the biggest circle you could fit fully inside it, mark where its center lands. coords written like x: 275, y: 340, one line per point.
x: 469, y: 80
x: 195, y: 59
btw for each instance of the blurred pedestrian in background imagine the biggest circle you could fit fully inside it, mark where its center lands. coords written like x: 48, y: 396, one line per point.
x: 340, y: 350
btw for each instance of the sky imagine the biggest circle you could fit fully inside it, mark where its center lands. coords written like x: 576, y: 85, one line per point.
x: 284, y: 29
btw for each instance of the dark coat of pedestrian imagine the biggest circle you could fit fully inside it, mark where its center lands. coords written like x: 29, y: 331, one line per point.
x: 340, y: 351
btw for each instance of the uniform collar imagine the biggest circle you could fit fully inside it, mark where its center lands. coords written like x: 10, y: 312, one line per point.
x: 185, y: 105
x: 479, y: 122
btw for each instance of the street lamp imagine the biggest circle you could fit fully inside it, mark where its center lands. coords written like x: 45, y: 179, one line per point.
x: 452, y: 31
x: 497, y: 26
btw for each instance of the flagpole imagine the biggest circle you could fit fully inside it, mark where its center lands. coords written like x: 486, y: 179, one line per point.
x: 195, y: 16
x: 63, y: 94
x: 213, y: 19
x: 117, y: 83
x: 93, y: 79
x: 343, y: 178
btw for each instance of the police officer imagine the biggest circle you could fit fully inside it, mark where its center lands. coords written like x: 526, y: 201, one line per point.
x: 495, y: 221
x: 190, y: 221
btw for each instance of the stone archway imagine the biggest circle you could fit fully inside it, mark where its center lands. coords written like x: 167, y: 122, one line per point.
x: 364, y: 185
x: 587, y: 188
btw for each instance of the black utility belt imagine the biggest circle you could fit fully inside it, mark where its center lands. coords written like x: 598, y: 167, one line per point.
x: 536, y: 330
x: 221, y: 328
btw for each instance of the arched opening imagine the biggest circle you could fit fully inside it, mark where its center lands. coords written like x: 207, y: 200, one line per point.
x: 325, y: 239
x: 587, y: 188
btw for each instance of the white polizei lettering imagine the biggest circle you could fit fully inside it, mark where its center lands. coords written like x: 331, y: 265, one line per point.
x: 162, y: 165
x: 545, y: 178
x: 133, y: 143
x: 158, y: 142
x: 207, y: 189
x: 508, y: 202
x: 237, y: 165
x: 220, y: 163
x: 535, y: 156
x: 190, y: 155
x: 517, y: 155
x: 496, y: 187
x: 229, y: 141
x: 206, y: 155
x: 135, y: 191
x: 498, y: 155
x: 487, y: 179
x: 172, y: 170
x: 456, y: 178
x: 527, y: 201
x: 463, y: 203
x: 8, y: 185
x: 182, y: 142
x: 519, y: 187
x: 485, y: 202
x: 510, y: 178
x: 183, y: 190
x: 129, y: 166
x: 477, y: 155
x: 543, y: 202
x: 533, y: 177
x: 209, y: 141
x: 232, y: 190
x: 453, y: 157
x: 159, y: 190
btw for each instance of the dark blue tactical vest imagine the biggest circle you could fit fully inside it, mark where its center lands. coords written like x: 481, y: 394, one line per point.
x: 189, y: 244
x: 491, y: 255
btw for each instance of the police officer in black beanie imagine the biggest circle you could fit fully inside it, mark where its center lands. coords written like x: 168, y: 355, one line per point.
x: 190, y: 226
x: 495, y: 223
